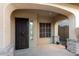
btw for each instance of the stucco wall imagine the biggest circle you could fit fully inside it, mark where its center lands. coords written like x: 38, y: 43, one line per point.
x: 7, y: 9
x: 46, y: 40
x: 1, y: 25
x: 33, y: 17
x: 77, y: 32
x: 5, y: 44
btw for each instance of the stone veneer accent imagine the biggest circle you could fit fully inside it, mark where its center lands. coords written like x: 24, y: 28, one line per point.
x: 72, y: 46
x: 77, y: 48
x: 7, y: 51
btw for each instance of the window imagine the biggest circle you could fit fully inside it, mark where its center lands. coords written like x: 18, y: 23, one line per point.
x: 45, y: 30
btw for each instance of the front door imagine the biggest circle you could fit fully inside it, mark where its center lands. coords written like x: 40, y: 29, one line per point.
x: 21, y: 33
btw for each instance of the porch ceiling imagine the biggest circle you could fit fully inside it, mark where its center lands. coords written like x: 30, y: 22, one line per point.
x: 53, y: 15
x: 40, y: 12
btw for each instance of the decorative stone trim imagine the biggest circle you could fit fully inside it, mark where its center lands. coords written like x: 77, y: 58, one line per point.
x: 7, y: 51
x: 71, y: 45
x: 77, y: 48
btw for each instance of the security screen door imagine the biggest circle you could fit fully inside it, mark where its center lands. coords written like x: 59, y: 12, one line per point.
x: 21, y: 33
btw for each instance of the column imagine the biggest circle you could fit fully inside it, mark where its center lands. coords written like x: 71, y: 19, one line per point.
x: 1, y: 29
x: 56, y: 36
x: 71, y: 42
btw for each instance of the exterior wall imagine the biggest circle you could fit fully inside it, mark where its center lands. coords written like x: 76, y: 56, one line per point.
x: 1, y: 28
x: 1, y: 25
x: 33, y: 17
x: 72, y: 41
x: 44, y: 41
x: 6, y: 47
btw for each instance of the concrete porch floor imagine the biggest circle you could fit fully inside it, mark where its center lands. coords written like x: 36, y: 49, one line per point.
x: 44, y: 50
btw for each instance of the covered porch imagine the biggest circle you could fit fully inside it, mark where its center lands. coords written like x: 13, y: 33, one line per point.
x: 43, y: 26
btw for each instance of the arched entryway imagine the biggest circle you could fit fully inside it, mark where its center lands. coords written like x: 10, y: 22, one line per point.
x: 13, y: 7
x: 41, y: 27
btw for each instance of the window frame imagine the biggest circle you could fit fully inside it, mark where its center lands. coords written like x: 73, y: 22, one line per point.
x: 43, y: 29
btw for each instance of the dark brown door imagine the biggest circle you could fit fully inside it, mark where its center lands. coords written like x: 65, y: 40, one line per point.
x: 21, y: 33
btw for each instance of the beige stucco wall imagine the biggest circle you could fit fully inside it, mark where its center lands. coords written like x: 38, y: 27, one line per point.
x: 7, y: 9
x: 32, y: 17
x: 77, y: 32
x: 1, y: 25
x: 5, y: 42
x: 44, y: 41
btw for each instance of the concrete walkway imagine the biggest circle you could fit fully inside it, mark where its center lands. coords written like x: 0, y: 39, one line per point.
x: 45, y: 50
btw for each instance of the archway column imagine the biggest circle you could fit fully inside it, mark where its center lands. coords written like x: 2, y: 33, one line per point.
x: 56, y: 36
x: 6, y: 46
x: 76, y: 32
x: 72, y: 40
x: 1, y: 29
